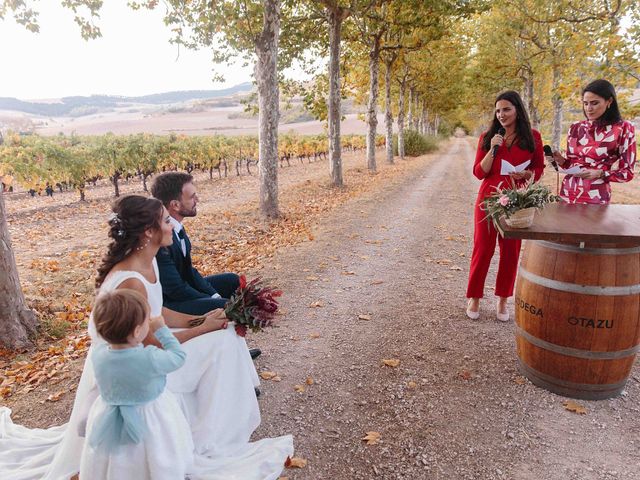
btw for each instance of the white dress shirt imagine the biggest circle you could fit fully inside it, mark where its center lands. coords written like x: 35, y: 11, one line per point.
x: 177, y: 226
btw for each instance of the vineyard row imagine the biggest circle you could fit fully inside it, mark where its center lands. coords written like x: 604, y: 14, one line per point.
x: 66, y: 162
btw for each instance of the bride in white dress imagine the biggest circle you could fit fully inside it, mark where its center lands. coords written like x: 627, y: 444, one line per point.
x: 215, y: 387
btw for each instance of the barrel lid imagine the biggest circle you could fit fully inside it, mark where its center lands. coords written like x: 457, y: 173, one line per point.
x: 564, y: 222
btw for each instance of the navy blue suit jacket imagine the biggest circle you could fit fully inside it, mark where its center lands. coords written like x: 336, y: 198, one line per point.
x: 180, y: 280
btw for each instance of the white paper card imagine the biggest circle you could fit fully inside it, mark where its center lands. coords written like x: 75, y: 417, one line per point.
x: 571, y: 171
x: 506, y: 168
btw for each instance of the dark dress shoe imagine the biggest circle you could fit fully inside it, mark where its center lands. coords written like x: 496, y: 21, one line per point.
x: 255, y: 353
x: 257, y: 390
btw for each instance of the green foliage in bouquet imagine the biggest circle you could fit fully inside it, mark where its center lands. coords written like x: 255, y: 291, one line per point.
x: 507, y: 201
x: 252, y: 306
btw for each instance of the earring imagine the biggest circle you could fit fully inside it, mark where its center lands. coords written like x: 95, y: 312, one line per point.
x: 142, y: 247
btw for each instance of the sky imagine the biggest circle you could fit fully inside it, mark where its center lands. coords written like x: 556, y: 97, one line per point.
x: 133, y: 57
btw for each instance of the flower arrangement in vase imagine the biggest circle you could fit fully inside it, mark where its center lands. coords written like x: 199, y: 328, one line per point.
x: 517, y: 204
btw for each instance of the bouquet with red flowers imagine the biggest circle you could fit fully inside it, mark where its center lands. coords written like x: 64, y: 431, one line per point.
x: 253, y: 306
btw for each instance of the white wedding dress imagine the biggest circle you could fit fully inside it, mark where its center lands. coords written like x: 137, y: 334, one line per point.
x: 215, y: 389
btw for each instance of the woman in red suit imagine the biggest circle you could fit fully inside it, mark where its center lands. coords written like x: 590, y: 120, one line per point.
x: 510, y: 131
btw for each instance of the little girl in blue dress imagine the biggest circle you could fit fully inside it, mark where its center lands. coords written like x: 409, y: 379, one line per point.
x: 136, y: 429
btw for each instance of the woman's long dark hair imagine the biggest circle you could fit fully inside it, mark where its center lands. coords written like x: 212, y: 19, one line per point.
x: 604, y: 89
x: 523, y: 126
x: 132, y: 215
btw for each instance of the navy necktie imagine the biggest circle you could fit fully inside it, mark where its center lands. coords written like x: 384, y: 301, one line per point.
x: 182, y: 234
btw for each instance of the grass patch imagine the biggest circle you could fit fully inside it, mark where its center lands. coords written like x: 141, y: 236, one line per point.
x: 55, y: 327
x: 416, y: 144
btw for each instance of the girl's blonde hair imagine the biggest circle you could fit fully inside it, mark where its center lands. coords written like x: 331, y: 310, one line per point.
x: 116, y: 314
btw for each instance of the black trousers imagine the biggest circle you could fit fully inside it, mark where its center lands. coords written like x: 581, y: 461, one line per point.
x: 224, y: 283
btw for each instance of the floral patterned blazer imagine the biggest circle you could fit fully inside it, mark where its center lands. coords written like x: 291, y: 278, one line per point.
x: 611, y: 148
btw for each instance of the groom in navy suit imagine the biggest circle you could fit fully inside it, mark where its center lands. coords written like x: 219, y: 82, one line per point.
x: 183, y: 288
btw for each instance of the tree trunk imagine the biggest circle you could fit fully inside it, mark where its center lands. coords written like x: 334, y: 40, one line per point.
x: 556, y: 128
x: 412, y: 95
x: 116, y: 186
x: 388, y: 114
x: 533, y: 111
x: 268, y: 93
x: 17, y: 322
x: 336, y: 17
x: 403, y: 91
x: 424, y: 119
x: 372, y: 109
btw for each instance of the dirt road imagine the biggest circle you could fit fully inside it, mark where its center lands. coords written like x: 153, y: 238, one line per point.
x: 455, y: 407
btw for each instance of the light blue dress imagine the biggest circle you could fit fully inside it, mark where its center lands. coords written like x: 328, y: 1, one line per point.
x: 126, y: 379
x: 136, y: 429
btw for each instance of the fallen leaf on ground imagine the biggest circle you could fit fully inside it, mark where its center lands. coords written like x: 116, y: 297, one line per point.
x: 54, y: 397
x: 391, y: 362
x: 309, y: 381
x: 348, y: 273
x: 520, y: 380
x: 299, y: 388
x: 412, y: 384
x: 295, y: 462
x: 364, y: 317
x: 312, y: 278
x: 377, y: 282
x: 314, y: 335
x: 465, y: 375
x: 316, y: 304
x: 443, y: 262
x: 455, y: 267
x: 371, y: 438
x: 277, y: 378
x: 266, y: 375
x: 574, y: 407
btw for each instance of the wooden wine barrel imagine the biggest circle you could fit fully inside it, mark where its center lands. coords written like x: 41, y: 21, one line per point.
x: 578, y: 316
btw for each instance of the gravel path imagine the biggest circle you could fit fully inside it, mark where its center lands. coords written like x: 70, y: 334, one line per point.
x: 455, y: 407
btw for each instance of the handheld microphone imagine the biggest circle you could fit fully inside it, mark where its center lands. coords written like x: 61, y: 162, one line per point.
x: 501, y: 132
x: 549, y: 153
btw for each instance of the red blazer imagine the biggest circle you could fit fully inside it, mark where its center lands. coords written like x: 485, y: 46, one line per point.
x: 515, y: 156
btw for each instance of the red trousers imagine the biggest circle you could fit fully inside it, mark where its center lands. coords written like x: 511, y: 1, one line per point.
x: 484, y: 244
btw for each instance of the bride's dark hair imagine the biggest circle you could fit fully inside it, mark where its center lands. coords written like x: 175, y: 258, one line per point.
x: 132, y: 215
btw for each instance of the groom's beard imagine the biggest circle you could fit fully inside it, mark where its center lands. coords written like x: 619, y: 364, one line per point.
x: 188, y: 213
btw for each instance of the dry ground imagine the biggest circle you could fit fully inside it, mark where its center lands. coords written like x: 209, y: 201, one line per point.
x: 380, y: 274
x: 125, y: 121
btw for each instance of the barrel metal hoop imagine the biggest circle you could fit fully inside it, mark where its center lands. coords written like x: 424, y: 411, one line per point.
x: 563, y: 247
x: 576, y: 352
x: 582, y: 289
x: 554, y: 381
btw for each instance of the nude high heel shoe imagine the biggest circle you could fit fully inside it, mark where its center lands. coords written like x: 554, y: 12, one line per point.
x: 470, y: 313
x: 502, y: 317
